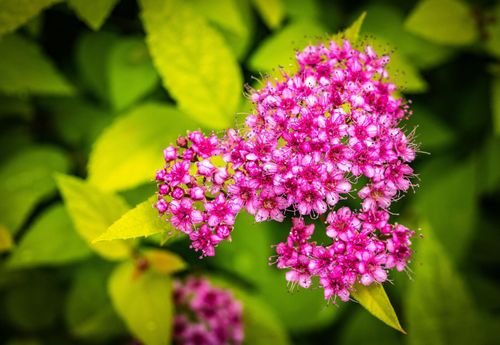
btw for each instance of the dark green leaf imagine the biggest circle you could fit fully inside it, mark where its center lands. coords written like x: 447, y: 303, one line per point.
x: 93, y: 13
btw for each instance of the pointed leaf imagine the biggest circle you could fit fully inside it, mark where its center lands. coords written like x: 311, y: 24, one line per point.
x: 51, y: 240
x: 25, y: 179
x: 198, y: 70
x: 164, y: 262
x: 144, y: 302
x: 352, y: 32
x: 271, y: 11
x: 448, y: 22
x: 24, y: 69
x: 374, y: 299
x: 129, y: 152
x: 92, y: 212
x: 14, y: 13
x: 141, y: 221
x: 93, y: 13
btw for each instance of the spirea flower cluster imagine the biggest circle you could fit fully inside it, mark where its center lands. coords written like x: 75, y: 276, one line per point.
x: 326, y: 142
x: 205, y: 314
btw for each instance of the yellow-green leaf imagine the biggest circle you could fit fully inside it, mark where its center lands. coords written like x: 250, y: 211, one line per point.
x: 6, y: 242
x: 352, y: 32
x: 144, y: 302
x: 14, y: 13
x: 129, y: 152
x: 24, y: 69
x: 92, y: 212
x: 448, y: 22
x: 195, y: 64
x: 374, y: 299
x: 25, y: 179
x: 271, y: 11
x: 141, y: 221
x: 51, y: 240
x: 93, y: 13
x: 164, y: 262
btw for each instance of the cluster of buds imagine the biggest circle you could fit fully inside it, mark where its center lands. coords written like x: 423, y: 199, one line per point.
x: 318, y: 142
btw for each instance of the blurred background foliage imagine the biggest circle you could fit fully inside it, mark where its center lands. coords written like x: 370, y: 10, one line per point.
x: 96, y: 89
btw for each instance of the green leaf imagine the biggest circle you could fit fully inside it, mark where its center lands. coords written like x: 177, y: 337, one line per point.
x: 164, y: 262
x: 24, y: 69
x: 198, y: 70
x: 279, y: 49
x: 144, y: 302
x: 6, y: 242
x: 141, y: 221
x: 131, y: 72
x: 489, y: 174
x: 449, y: 189
x: 431, y: 133
x: 493, y: 31
x: 374, y: 299
x: 261, y: 325
x: 92, y: 212
x: 89, y: 312
x: 129, y: 152
x: 271, y: 11
x: 299, y: 9
x: 352, y: 32
x: 25, y: 179
x: 19, y: 107
x: 92, y: 53
x: 447, y: 22
x: 93, y: 13
x: 495, y: 104
x: 439, y: 308
x: 33, y: 303
x: 14, y: 13
x: 51, y: 240
x: 362, y: 328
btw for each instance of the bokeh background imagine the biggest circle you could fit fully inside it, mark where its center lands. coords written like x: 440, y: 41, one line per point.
x: 96, y: 89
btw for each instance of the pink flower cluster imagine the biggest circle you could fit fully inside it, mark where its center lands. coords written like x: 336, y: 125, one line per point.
x: 206, y: 315
x: 319, y: 141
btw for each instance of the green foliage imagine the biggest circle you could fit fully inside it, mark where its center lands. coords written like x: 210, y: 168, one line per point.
x: 438, y: 300
x: 6, y: 242
x: 93, y: 13
x: 25, y: 180
x: 141, y: 221
x: 364, y: 329
x: 89, y: 312
x: 352, y: 32
x: 448, y: 22
x: 163, y: 262
x: 271, y: 11
x: 126, y: 154
x: 14, y: 13
x: 24, y: 69
x: 374, y: 299
x: 51, y: 240
x: 495, y: 104
x: 143, y: 301
x: 199, y: 71
x: 92, y: 212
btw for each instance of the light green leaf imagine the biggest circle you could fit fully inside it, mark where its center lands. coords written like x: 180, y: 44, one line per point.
x: 92, y: 54
x: 495, y: 104
x: 6, y: 242
x: 24, y: 69
x: 261, y: 325
x: 447, y: 22
x: 439, y: 308
x: 352, y: 32
x: 51, y: 240
x: 131, y: 72
x: 449, y: 189
x: 374, y: 299
x: 129, y: 152
x: 93, y: 13
x: 164, y: 262
x: 232, y: 18
x: 25, y: 179
x: 89, y: 312
x: 493, y: 30
x: 14, y: 13
x: 279, y: 49
x: 198, y: 70
x: 141, y: 221
x: 271, y: 11
x: 300, y: 9
x: 144, y: 302
x: 92, y: 212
